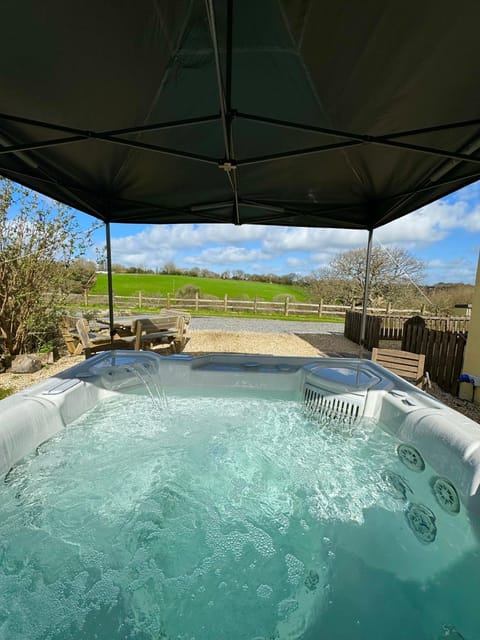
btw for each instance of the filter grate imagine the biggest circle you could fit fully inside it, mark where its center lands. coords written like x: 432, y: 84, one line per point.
x: 345, y: 408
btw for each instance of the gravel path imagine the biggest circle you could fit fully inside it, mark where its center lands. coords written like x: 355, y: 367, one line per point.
x: 253, y: 325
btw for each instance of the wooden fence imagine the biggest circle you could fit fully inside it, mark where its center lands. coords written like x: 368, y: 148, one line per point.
x: 285, y: 307
x: 392, y: 326
x: 353, y: 326
x: 443, y: 348
x: 226, y: 304
x: 443, y: 353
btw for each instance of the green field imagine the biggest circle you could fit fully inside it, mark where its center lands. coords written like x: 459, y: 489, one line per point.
x: 129, y: 284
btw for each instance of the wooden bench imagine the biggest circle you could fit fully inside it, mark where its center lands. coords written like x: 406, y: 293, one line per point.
x: 407, y: 365
x: 94, y: 343
x: 178, y: 312
x: 164, y: 330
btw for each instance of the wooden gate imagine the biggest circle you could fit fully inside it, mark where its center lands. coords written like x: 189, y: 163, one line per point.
x: 443, y: 353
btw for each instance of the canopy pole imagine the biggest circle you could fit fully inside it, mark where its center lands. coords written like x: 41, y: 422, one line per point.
x: 109, y: 280
x: 229, y: 165
x: 365, y: 292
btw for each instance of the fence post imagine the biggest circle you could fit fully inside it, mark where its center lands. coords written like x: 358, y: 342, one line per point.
x: 287, y: 299
x: 168, y: 300
x: 85, y: 297
x: 196, y: 300
x: 225, y: 302
x: 139, y: 299
x: 255, y: 304
x: 389, y: 308
x: 320, y: 308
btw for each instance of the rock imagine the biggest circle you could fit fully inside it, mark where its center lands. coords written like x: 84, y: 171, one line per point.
x: 5, y: 362
x: 26, y: 364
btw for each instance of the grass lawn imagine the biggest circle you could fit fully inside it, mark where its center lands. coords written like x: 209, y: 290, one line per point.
x: 129, y: 284
x: 5, y: 391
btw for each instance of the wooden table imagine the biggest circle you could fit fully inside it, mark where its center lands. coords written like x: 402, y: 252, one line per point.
x: 123, y: 325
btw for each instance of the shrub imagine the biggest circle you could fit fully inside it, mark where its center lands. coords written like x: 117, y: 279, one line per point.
x: 38, y: 242
x: 187, y: 291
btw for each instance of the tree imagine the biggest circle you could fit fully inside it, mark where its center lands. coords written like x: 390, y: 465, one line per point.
x: 331, y: 291
x: 81, y: 276
x: 101, y: 257
x: 444, y: 296
x: 391, y: 272
x: 39, y: 239
x: 170, y: 268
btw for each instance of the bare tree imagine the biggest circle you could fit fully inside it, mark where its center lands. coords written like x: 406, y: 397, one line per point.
x: 391, y: 272
x: 170, y: 268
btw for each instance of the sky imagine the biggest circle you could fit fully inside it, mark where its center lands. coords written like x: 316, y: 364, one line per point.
x: 445, y: 235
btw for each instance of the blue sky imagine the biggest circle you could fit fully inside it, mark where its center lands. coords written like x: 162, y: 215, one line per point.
x: 444, y: 234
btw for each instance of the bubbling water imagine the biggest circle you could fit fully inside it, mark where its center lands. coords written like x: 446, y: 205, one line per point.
x: 223, y: 519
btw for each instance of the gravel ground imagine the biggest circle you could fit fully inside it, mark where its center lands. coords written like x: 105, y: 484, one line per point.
x: 214, y: 323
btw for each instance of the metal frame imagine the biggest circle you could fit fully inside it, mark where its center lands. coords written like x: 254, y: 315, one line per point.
x: 227, y: 116
x: 229, y: 163
x: 368, y: 263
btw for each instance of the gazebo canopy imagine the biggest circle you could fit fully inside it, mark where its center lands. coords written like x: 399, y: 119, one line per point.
x: 285, y: 112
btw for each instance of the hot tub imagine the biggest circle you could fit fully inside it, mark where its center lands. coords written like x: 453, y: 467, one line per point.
x: 231, y: 496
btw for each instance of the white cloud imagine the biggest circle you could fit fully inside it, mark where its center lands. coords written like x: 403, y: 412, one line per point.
x: 227, y: 256
x: 472, y: 222
x: 297, y: 264
x: 234, y: 234
x: 431, y: 224
x: 457, y: 270
x: 282, y: 239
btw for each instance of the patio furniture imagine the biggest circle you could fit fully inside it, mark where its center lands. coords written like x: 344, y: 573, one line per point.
x: 94, y: 343
x: 70, y: 336
x: 407, y: 365
x: 164, y: 330
x: 126, y: 325
x: 178, y: 312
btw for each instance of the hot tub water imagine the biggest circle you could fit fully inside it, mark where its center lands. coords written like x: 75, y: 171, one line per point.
x: 226, y: 518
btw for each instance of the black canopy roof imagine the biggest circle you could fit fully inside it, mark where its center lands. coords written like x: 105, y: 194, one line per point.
x: 291, y: 112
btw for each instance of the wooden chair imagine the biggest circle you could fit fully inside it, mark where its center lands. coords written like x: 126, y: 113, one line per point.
x: 407, y: 365
x: 163, y: 330
x: 94, y: 343
x: 178, y: 312
x: 70, y: 336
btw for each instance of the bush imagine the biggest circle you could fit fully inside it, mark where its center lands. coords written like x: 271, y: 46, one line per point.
x: 38, y: 243
x: 188, y: 291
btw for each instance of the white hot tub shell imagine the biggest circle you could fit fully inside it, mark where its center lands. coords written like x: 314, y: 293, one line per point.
x: 346, y: 389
